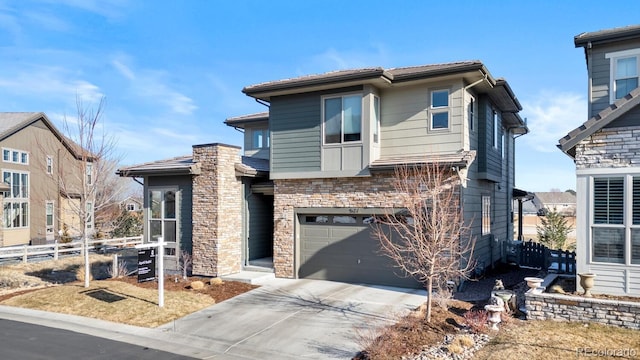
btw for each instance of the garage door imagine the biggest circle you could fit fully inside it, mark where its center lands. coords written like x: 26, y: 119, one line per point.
x: 341, y: 248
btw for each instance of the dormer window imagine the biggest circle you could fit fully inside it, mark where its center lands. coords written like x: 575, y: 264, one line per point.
x: 624, y: 72
x: 342, y: 119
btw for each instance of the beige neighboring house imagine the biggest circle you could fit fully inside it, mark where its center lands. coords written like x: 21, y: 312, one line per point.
x: 561, y: 202
x: 42, y: 172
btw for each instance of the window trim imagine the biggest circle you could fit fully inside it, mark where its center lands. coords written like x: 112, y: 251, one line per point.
x: 21, y: 203
x: 266, y: 141
x: 323, y: 119
x: 471, y: 113
x: 21, y: 154
x: 435, y: 110
x: 376, y: 120
x: 494, y: 116
x: 485, y: 215
x: 49, y: 165
x: 613, y: 62
x: 627, y: 225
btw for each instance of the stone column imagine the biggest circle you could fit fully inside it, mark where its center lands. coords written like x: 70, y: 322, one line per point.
x: 217, y: 211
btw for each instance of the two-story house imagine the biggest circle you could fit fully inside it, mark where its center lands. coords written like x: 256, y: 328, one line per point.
x: 605, y: 151
x: 320, y: 163
x: 40, y: 167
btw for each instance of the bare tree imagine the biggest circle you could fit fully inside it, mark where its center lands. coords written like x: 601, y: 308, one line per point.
x: 428, y: 238
x: 88, y: 185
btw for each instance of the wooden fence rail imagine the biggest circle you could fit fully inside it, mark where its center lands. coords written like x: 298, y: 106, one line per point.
x: 536, y: 255
x: 25, y: 251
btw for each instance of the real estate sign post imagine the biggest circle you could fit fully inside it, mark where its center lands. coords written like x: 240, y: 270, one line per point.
x: 149, y: 267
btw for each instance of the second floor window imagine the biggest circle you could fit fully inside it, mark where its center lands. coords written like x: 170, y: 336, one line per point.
x: 15, y: 156
x: 626, y: 76
x: 49, y: 165
x: 342, y: 119
x: 440, y: 109
x: 260, y: 138
x: 496, y: 127
x: 625, y: 73
x: 89, y: 174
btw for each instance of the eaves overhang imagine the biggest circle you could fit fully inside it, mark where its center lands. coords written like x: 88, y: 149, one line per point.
x: 568, y: 143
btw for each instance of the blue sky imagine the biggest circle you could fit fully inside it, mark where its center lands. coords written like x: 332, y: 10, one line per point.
x: 172, y: 71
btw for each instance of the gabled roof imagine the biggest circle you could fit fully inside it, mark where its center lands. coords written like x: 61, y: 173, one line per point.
x: 568, y: 143
x: 605, y: 36
x: 181, y: 165
x: 12, y: 122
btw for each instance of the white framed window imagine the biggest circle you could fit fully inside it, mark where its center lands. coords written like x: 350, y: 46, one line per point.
x: 15, y: 156
x: 439, y: 109
x: 496, y: 127
x: 89, y: 215
x: 163, y: 215
x: 131, y: 207
x: 625, y: 72
x: 615, y: 219
x: 89, y: 174
x: 504, y: 143
x: 376, y: 119
x: 342, y: 119
x: 49, y: 165
x: 16, y: 200
x: 260, y: 139
x: 471, y: 113
x: 486, y: 215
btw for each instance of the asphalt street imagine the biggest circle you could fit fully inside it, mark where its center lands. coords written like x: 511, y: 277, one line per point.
x: 22, y: 341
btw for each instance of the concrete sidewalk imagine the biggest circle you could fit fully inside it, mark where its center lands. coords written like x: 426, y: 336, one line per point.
x: 283, y: 319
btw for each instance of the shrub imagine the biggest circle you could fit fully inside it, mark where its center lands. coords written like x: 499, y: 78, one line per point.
x: 215, y: 281
x: 197, y: 285
x: 465, y: 341
x: 455, y: 348
x: 477, y: 321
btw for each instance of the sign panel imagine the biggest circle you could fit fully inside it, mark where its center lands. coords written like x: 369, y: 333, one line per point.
x: 146, y: 265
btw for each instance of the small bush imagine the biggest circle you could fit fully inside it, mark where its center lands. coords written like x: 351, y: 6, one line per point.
x: 465, y: 341
x: 197, y: 285
x: 80, y: 274
x: 443, y: 298
x: 455, y: 348
x: 215, y: 281
x: 477, y: 321
x: 120, y: 270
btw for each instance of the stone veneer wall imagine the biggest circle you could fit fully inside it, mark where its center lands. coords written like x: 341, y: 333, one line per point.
x: 363, y: 192
x: 559, y: 307
x: 610, y: 148
x: 217, y: 211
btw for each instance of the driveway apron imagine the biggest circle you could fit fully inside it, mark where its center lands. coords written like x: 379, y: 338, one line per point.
x: 293, y: 319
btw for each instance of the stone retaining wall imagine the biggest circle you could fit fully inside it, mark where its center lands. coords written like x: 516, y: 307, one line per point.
x: 560, y: 307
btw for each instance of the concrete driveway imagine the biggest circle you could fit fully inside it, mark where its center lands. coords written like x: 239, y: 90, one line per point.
x: 293, y: 319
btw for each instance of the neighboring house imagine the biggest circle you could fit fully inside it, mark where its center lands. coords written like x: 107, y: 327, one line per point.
x: 132, y: 204
x: 41, y: 168
x: 605, y: 151
x: 320, y: 163
x: 560, y: 202
x: 539, y: 204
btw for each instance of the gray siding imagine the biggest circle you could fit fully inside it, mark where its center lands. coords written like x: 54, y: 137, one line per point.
x: 262, y: 153
x: 184, y: 185
x: 489, y: 158
x: 599, y: 74
x: 295, y: 130
x: 295, y: 123
x: 630, y: 118
x: 405, y: 121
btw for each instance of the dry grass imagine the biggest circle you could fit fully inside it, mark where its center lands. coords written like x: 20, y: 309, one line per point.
x: 557, y: 340
x: 113, y: 301
x: 46, y: 273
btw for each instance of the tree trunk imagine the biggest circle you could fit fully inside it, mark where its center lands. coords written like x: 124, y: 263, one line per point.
x: 429, y: 290
x: 86, y: 261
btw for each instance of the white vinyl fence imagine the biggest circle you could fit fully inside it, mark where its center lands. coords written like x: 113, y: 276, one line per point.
x: 26, y: 251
